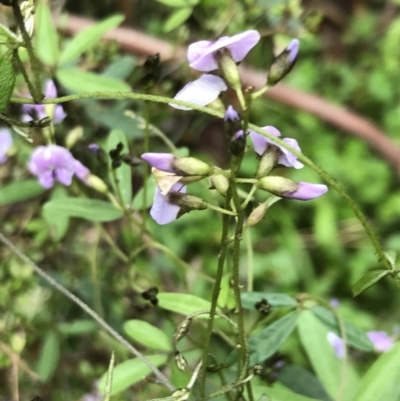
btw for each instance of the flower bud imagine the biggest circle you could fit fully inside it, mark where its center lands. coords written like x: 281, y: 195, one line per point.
x: 186, y: 202
x: 73, y: 136
x: 229, y: 69
x: 277, y: 185
x: 220, y: 183
x: 190, y: 166
x: 268, y: 161
x: 232, y: 122
x: 257, y: 214
x: 283, y: 63
x: 97, y: 183
x: 238, y: 143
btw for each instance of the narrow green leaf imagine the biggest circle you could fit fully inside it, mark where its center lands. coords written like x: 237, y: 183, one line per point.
x: 226, y: 298
x: 18, y: 191
x: 109, y: 378
x: 355, y: 336
x: 184, y: 304
x: 368, y: 280
x: 86, y: 39
x: 177, y: 18
x: 123, y: 172
x: 78, y: 327
x: 89, y: 209
x: 78, y: 81
x: 327, y: 366
x: 139, y: 202
x: 130, y: 372
x: 265, y: 343
x: 278, y: 394
x: 7, y: 80
x: 46, y: 37
x: 49, y: 357
x: 275, y: 299
x: 381, y: 382
x: 147, y: 334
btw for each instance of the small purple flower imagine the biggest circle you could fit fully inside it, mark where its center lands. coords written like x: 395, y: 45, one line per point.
x: 94, y: 148
x: 201, y: 55
x: 306, y: 191
x: 286, y: 158
x: 40, y: 109
x: 54, y: 162
x: 162, y: 211
x: 337, y: 344
x: 6, y: 142
x: 334, y: 302
x: 160, y: 161
x: 293, y: 49
x: 202, y: 92
x: 381, y: 340
x: 231, y: 115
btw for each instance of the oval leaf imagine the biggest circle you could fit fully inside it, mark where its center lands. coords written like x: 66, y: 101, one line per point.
x: 49, y: 357
x: 184, y: 304
x: 89, y: 209
x: 19, y: 191
x: 84, y: 40
x: 275, y: 299
x: 130, y: 372
x: 177, y: 18
x: 148, y: 335
x: 265, y: 343
x: 7, y: 80
x: 368, y: 280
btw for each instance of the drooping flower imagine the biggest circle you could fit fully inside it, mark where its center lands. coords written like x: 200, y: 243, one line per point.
x: 381, y: 340
x: 53, y: 162
x: 262, y: 143
x: 40, y: 111
x: 306, y: 191
x: 5, y: 144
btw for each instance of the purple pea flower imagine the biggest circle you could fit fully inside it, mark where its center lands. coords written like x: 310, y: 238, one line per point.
x: 306, y: 191
x: 54, y: 162
x: 94, y: 148
x: 5, y: 144
x: 261, y: 144
x: 201, y: 55
x: 162, y: 211
x: 381, y: 340
x: 293, y: 49
x: 337, y: 344
x: 40, y: 109
x: 160, y: 161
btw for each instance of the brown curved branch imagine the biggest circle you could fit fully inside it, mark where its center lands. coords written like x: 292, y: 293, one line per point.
x: 141, y: 44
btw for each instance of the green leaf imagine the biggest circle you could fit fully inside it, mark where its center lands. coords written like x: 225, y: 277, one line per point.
x: 178, y: 3
x: 368, y: 280
x: 355, y: 336
x: 265, y: 343
x: 147, y: 334
x: 7, y: 80
x: 130, y: 372
x: 138, y: 201
x: 86, y: 39
x: 226, y: 298
x: 49, y: 357
x: 327, y: 366
x: 89, y: 209
x: 381, y: 382
x: 78, y: 81
x: 18, y: 191
x: 109, y: 378
x: 177, y: 18
x: 278, y: 394
x: 78, y: 327
x: 184, y: 304
x: 275, y: 299
x: 46, y: 37
x: 120, y: 69
x: 123, y: 173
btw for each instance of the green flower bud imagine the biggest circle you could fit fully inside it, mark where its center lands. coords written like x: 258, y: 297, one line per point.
x: 220, y: 183
x: 97, y: 184
x: 257, y: 214
x: 190, y: 166
x: 73, y: 136
x: 277, y: 185
x: 229, y: 69
x: 268, y: 161
x: 187, y: 202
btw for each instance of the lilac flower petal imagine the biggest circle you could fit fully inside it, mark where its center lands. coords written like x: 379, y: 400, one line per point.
x: 161, y: 161
x: 231, y: 114
x: 287, y: 158
x: 81, y: 171
x: 202, y: 92
x: 162, y: 211
x: 334, y: 302
x: 5, y: 144
x: 307, y: 191
x: 381, y: 340
x: 337, y: 344
x: 59, y: 114
x: 293, y: 49
x: 260, y: 142
x: 94, y: 148
x: 50, y: 89
x: 64, y: 175
x: 201, y: 55
x: 46, y: 179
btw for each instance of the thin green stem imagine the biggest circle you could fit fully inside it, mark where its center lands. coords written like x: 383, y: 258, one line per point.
x: 246, y: 180
x: 250, y: 261
x: 23, y: 71
x: 220, y: 209
x: 87, y: 309
x: 249, y: 197
x: 94, y: 275
x: 117, y: 251
x: 260, y: 92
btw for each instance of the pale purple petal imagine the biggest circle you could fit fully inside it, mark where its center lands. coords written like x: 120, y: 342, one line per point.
x: 162, y: 211
x: 260, y: 142
x: 161, y: 161
x: 59, y: 114
x: 202, y: 92
x: 81, y: 171
x: 293, y: 49
x: 231, y: 114
x: 306, y: 191
x: 64, y: 175
x: 50, y: 89
x: 201, y: 55
x: 287, y: 158
x: 5, y: 144
x: 334, y: 302
x: 337, y: 344
x: 94, y: 148
x: 46, y: 179
x: 381, y: 340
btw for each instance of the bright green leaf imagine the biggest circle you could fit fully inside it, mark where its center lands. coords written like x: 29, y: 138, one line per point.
x: 46, y: 37
x: 265, y: 343
x: 49, y: 357
x: 123, y: 173
x: 120, y: 69
x: 130, y: 372
x: 139, y: 202
x: 7, y: 80
x: 86, y: 39
x: 185, y: 304
x: 89, y: 209
x: 147, y: 334
x: 177, y: 18
x: 78, y: 81
x: 381, y: 382
x: 275, y: 299
x: 18, y: 191
x: 278, y: 394
x: 368, y: 280
x: 109, y: 378
x: 226, y: 298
